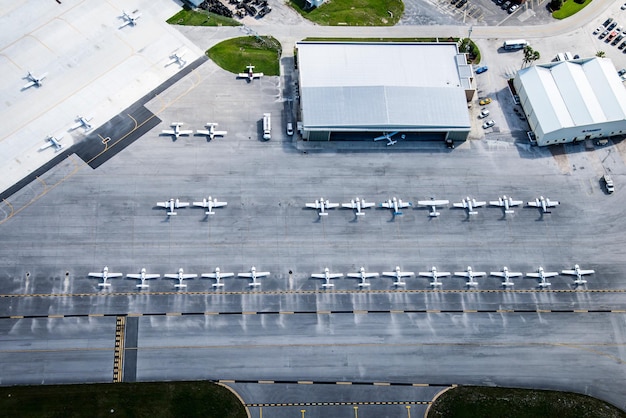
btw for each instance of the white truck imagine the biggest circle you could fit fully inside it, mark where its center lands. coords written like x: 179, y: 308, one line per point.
x: 267, y: 126
x: 608, y: 182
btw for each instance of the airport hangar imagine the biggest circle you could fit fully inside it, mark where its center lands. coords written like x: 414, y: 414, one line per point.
x: 360, y: 90
x: 571, y: 101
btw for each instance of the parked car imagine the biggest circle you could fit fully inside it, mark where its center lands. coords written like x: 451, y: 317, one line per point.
x: 621, y: 72
x: 616, y: 40
x: 481, y: 70
x: 598, y: 30
x: 289, y: 128
x: 603, y: 34
x: 489, y: 124
x: 607, y: 22
x: 485, y: 101
x: 513, y: 8
x: 483, y: 114
x: 461, y: 3
x: 612, y: 26
x: 532, y: 139
x: 622, y: 45
x: 506, y: 5
x: 623, y: 7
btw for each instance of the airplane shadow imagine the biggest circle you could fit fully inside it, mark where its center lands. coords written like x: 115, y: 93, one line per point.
x: 208, y: 138
x: 355, y: 219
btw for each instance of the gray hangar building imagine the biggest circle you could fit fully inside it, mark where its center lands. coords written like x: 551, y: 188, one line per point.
x: 572, y: 101
x: 361, y: 90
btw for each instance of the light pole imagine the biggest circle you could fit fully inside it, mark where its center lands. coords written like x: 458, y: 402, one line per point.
x: 408, y: 411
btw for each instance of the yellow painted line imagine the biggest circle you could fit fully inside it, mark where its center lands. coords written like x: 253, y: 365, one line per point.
x: 343, y: 383
x: 433, y: 311
x: 396, y: 311
x: 323, y: 312
x: 248, y: 313
x: 173, y: 314
x: 135, y: 314
x: 420, y: 384
x: 544, y: 310
x: 470, y: 311
x: 305, y: 382
x: 382, y: 384
x: 56, y: 316
x: 17, y: 317
x: 226, y: 381
x: 618, y: 311
x: 266, y: 382
x: 286, y: 313
x: 359, y: 312
x: 211, y: 313
x: 505, y: 310
x: 92, y: 315
x: 580, y: 311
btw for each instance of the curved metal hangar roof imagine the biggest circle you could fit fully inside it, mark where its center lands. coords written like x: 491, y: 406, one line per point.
x: 382, y: 86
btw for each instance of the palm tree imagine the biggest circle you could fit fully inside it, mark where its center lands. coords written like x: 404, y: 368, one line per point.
x: 600, y: 54
x: 530, y: 55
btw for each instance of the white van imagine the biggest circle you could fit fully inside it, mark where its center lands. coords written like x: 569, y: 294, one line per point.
x: 267, y: 126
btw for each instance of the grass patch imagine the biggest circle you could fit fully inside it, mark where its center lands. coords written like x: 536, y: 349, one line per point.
x: 569, y: 8
x: 483, y: 402
x: 235, y: 54
x: 153, y: 400
x: 352, y: 12
x: 187, y: 17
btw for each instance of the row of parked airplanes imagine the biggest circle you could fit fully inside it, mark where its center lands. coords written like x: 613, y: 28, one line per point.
x: 394, y: 203
x: 327, y: 276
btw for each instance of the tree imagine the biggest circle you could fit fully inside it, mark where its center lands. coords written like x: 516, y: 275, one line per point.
x: 600, y: 54
x: 530, y: 55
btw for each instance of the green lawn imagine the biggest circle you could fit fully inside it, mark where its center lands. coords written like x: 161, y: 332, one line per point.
x: 483, y: 402
x: 188, y: 17
x: 569, y: 8
x: 353, y: 12
x: 120, y: 400
x: 235, y: 54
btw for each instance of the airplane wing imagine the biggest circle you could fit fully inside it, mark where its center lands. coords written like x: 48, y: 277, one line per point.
x: 242, y: 75
x: 29, y: 84
x: 461, y: 273
x: 365, y: 205
x: 76, y: 125
x: 387, y: 205
x: 362, y: 275
x: 203, y: 132
x: 581, y: 272
x: 219, y: 204
x: 478, y: 204
x: 550, y: 273
x: 496, y: 202
x: 535, y: 275
x: 128, y: 22
x: 515, y: 202
x: 501, y: 274
x: 396, y: 274
x: 100, y: 275
x: 534, y: 203
x: 111, y: 275
x: 220, y: 133
x: 182, y: 204
x: 168, y: 132
x: 433, y: 202
x: 460, y: 205
x: 335, y: 275
x: 171, y: 276
x: 214, y: 275
x: 312, y: 205
x: 479, y: 273
x: 163, y: 204
x: 430, y: 273
x: 403, y: 204
x: 350, y: 205
x: 247, y: 275
x: 257, y: 75
x: 552, y: 203
x: 262, y: 273
x: 318, y: 275
x: 331, y: 205
x: 386, y: 136
x: 189, y: 276
x: 48, y: 145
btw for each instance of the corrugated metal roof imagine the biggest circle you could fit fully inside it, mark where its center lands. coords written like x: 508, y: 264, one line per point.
x: 382, y: 85
x: 574, y: 93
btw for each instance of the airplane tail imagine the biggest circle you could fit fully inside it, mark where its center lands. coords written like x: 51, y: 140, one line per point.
x: 473, y: 212
x: 434, y: 214
x: 209, y: 212
x: 397, y: 212
x: 509, y: 211
x: 364, y: 284
x: 360, y: 214
x: 142, y: 286
x: 178, y: 286
x: 106, y: 284
x: 326, y: 285
x: 218, y: 284
x: 171, y: 213
x: 323, y: 214
x: 399, y: 283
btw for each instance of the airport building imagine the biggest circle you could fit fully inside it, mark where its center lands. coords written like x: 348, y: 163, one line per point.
x: 361, y: 90
x: 572, y: 101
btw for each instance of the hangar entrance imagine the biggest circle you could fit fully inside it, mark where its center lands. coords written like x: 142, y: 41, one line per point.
x: 368, y: 136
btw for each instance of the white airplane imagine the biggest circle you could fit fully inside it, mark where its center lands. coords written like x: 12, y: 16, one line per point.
x: 105, y: 275
x: 176, y: 131
x: 358, y: 205
x: 398, y: 274
x: 543, y: 203
x: 363, y: 276
x: 321, y: 205
x: 506, y: 275
x: 542, y: 275
x: 579, y: 273
x: 130, y: 20
x: 53, y: 141
x: 172, y: 204
x: 470, y: 205
x: 435, y: 275
x: 250, y: 74
x: 254, y: 275
x: 470, y: 274
x: 210, y: 204
x: 180, y: 276
x: 396, y: 205
x: 34, y: 80
x: 506, y: 202
x: 177, y: 58
x: 82, y: 121
x: 218, y: 276
x: 327, y: 275
x: 143, y: 276
x: 211, y: 132
x: 433, y: 205
x: 388, y: 137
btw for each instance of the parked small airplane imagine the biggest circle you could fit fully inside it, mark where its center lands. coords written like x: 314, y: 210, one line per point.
x: 254, y: 275
x: 396, y: 205
x: 180, y: 276
x: 363, y: 276
x: 82, y: 121
x: 321, y: 205
x: 176, y: 131
x: 211, y: 132
x: 53, y: 141
x: 172, y: 204
x: 433, y: 205
x: 327, y: 275
x: 250, y: 74
x: 435, y: 275
x: 388, y: 136
x: 34, y: 80
x: 218, y: 276
x: 358, y: 204
x: 470, y: 205
x: 506, y: 275
x: 130, y: 20
x: 210, y: 204
x: 579, y: 273
x: 470, y: 274
x: 177, y: 58
x: 105, y: 275
x: 143, y: 276
x: 506, y: 202
x: 543, y: 203
x: 543, y: 275
x: 398, y: 274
